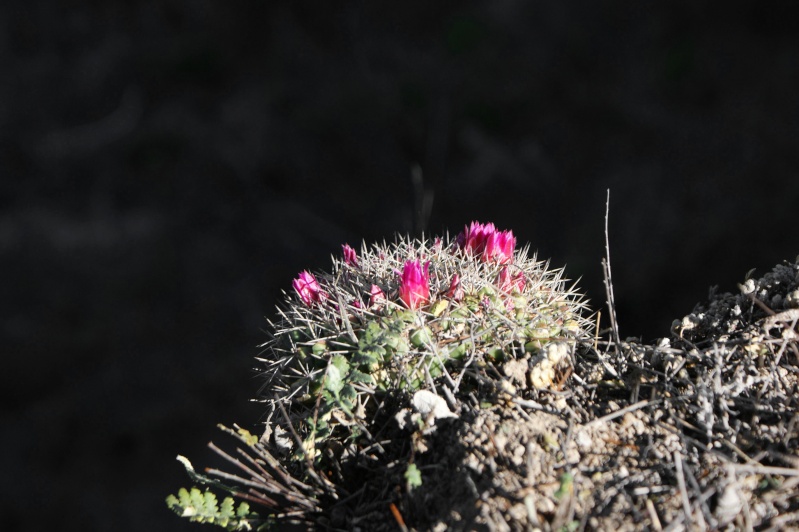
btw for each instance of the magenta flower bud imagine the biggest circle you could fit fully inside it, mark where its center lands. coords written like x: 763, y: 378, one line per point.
x: 308, y: 289
x: 350, y: 257
x: 499, y: 247
x: 414, y: 289
x: 473, y: 238
x: 376, y: 296
x: 455, y: 291
x: 509, y: 283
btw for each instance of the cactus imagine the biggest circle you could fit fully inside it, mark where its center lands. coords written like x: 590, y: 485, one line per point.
x: 412, y: 315
x: 386, y: 329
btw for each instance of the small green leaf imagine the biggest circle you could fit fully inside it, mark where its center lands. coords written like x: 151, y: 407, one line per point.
x: 348, y: 393
x: 209, y: 501
x: 413, y: 476
x: 395, y: 327
x: 322, y: 429
x: 196, y: 499
x: 333, y: 379
x: 403, y: 348
x: 566, y: 486
x: 340, y: 361
x: 248, y: 438
x: 369, y: 354
x: 226, y: 508
x: 373, y: 334
x: 359, y: 376
x: 244, y: 510
x: 408, y: 316
x: 571, y: 526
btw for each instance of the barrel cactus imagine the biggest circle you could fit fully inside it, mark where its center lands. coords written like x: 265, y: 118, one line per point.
x: 411, y: 316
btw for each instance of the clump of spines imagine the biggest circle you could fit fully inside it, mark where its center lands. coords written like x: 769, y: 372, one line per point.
x: 352, y: 333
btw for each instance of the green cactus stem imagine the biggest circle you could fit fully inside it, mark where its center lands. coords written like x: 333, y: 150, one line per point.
x: 415, y: 314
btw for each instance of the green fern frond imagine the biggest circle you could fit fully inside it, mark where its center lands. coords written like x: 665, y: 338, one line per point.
x: 202, y: 507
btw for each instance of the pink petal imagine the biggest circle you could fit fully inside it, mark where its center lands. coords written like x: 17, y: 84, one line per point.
x: 350, y: 257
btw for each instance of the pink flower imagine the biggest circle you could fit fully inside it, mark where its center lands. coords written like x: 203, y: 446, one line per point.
x: 499, y: 247
x: 455, y: 291
x: 509, y: 283
x: 376, y: 296
x: 473, y: 238
x: 308, y: 289
x: 350, y: 257
x: 415, y: 284
x: 486, y: 241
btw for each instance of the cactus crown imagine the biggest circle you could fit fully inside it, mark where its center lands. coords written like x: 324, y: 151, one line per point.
x: 402, y: 317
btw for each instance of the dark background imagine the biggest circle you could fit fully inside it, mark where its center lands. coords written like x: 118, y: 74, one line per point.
x: 168, y: 166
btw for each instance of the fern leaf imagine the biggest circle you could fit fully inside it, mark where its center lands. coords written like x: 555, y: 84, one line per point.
x: 203, y: 507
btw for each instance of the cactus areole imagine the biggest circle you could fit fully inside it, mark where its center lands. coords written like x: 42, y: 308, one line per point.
x: 403, y: 317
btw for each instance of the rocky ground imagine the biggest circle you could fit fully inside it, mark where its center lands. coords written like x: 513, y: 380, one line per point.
x: 698, y: 432
x: 168, y: 167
